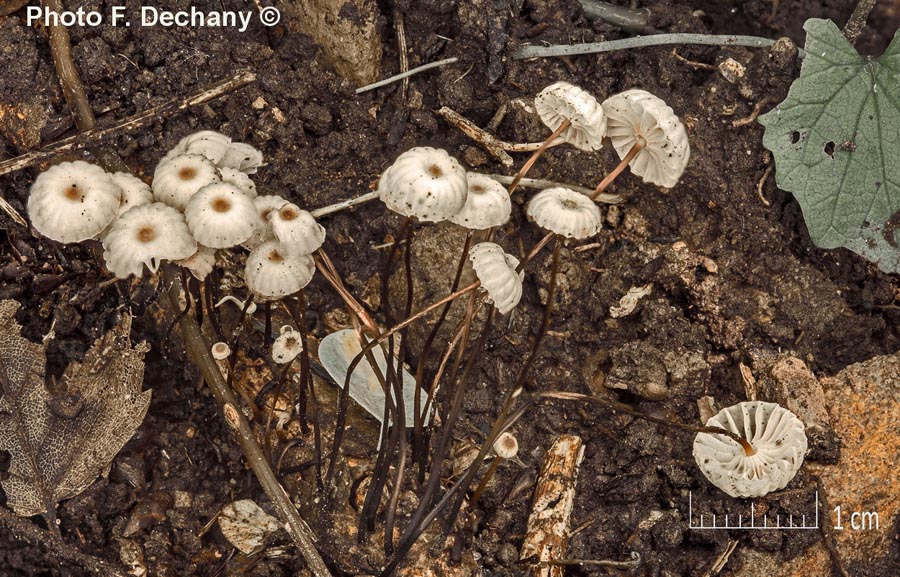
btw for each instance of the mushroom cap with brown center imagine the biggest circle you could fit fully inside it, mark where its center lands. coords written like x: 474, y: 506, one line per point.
x: 73, y: 201
x: 637, y: 113
x: 425, y: 183
x: 298, y: 228
x: 178, y: 178
x: 565, y: 212
x: 146, y: 235
x: 221, y: 216
x: 497, y: 272
x: 487, y: 203
x: 273, y: 272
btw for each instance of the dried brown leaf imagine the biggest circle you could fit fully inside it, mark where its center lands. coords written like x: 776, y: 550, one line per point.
x: 60, y: 443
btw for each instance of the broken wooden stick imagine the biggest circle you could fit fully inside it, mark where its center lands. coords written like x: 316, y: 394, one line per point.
x: 547, y: 535
x: 96, y: 136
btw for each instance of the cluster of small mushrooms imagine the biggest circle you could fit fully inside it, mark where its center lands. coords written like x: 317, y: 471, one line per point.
x: 202, y: 199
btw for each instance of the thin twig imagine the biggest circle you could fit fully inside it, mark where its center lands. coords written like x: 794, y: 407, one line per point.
x: 73, y: 87
x: 13, y: 213
x: 406, y: 74
x: 857, y: 20
x: 95, y: 136
x: 199, y: 351
x: 53, y: 546
x: 493, y: 145
x: 642, y: 42
x: 344, y: 204
x: 401, y: 49
x: 753, y: 114
x: 762, y: 183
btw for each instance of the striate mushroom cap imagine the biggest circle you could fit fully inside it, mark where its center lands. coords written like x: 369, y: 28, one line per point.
x: 635, y: 113
x: 287, y: 346
x: 73, y: 201
x: 273, y: 272
x: 563, y: 101
x: 135, y: 192
x: 487, y: 204
x: 297, y: 228
x: 506, y: 446
x: 426, y: 183
x: 179, y: 177
x: 775, y: 433
x: 219, y: 215
x: 565, y: 212
x: 146, y: 235
x: 497, y: 272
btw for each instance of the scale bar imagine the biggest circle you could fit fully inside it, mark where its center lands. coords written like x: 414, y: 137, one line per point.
x: 699, y: 523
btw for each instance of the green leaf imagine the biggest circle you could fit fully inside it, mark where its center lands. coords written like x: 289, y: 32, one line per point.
x: 836, y: 142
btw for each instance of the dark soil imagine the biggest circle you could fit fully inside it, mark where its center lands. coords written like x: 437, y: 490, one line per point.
x: 735, y: 280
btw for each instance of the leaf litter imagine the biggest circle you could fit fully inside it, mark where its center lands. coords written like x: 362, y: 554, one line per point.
x: 61, y: 441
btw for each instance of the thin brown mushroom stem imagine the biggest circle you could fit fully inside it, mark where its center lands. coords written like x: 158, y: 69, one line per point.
x: 536, y: 155
x: 639, y: 144
x: 199, y: 351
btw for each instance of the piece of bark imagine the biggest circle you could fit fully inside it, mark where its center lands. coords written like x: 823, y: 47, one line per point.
x: 554, y: 495
x: 348, y: 33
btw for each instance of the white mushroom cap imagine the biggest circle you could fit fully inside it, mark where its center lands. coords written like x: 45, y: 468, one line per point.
x: 426, y: 183
x: 273, y: 272
x: 135, y: 192
x: 220, y: 351
x: 775, y: 433
x: 221, y: 216
x: 146, y: 235
x: 636, y: 113
x: 497, y: 272
x: 73, y: 201
x: 265, y: 205
x: 565, y: 212
x: 287, y: 346
x: 200, y: 263
x: 487, y: 203
x: 243, y: 157
x: 239, y: 179
x: 209, y: 143
x: 178, y: 178
x: 297, y: 228
x: 563, y: 101
x: 506, y: 446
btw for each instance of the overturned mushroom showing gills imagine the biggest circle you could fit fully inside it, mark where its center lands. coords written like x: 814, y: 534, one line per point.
x: 565, y: 212
x: 497, y: 272
x: 777, y: 446
x: 638, y: 118
x: 562, y: 101
x: 73, y: 201
x: 426, y: 183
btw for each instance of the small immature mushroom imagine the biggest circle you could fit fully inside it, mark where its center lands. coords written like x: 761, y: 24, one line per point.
x: 287, y: 346
x: 497, y: 272
x: 648, y: 136
x: 221, y: 216
x: 265, y: 205
x: 146, y: 235
x: 487, y: 204
x: 297, y: 229
x: 426, y: 183
x: 565, y: 212
x: 239, y: 179
x: 220, y: 351
x: 135, y: 192
x: 776, y: 445
x: 561, y: 102
x: 178, y: 178
x: 272, y: 271
x: 73, y: 201
x: 200, y: 263
x: 506, y: 446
